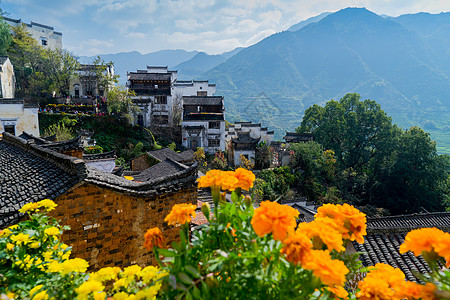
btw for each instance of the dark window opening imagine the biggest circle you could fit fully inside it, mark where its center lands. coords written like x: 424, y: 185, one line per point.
x: 214, y: 125
x: 160, y: 100
x: 44, y: 43
x: 213, y: 143
x: 10, y: 129
x: 202, y: 93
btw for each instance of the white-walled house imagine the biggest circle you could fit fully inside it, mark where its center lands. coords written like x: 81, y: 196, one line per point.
x: 242, y: 139
x: 86, y: 84
x: 153, y: 95
x: 7, y: 79
x: 193, y: 88
x: 46, y: 36
x: 203, y: 123
x: 16, y: 116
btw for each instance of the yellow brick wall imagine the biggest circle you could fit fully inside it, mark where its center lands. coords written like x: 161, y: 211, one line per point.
x: 107, y: 228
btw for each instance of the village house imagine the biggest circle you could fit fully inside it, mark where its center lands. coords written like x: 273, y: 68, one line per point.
x: 7, y: 78
x: 158, y: 94
x: 16, y: 116
x: 46, y: 36
x: 242, y: 139
x: 203, y: 123
x: 151, y: 158
x: 153, y: 95
x: 88, y: 84
x: 108, y: 214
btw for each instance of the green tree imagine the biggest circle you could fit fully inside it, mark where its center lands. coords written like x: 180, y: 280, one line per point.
x: 355, y: 130
x: 120, y: 103
x: 263, y: 155
x: 5, y: 36
x: 418, y: 175
x: 59, y: 67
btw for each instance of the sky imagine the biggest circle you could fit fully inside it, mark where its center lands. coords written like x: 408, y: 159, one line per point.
x: 92, y: 27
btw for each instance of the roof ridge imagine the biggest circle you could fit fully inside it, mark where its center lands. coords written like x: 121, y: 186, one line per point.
x: 69, y: 164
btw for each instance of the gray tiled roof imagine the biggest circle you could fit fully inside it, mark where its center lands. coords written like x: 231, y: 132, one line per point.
x: 29, y: 173
x: 149, y: 76
x: 104, y: 155
x: 386, y: 234
x: 202, y: 100
x: 3, y: 59
x: 161, y: 169
x: 26, y: 177
x: 164, y: 153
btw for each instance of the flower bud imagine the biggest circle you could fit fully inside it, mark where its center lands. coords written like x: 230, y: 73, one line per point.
x: 248, y: 201
x: 206, y: 209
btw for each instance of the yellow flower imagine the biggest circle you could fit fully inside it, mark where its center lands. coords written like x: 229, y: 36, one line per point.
x: 322, y: 232
x: 130, y: 271
x: 383, y: 282
x: 296, y: 247
x: 149, y: 293
x: 5, y: 232
x: 431, y: 240
x: 274, y: 218
x: 20, y: 238
x: 9, y: 246
x: 149, y: 273
x: 131, y: 178
x: 41, y: 296
x: 180, y: 214
x: 120, y: 283
x: 153, y: 238
x: 48, y: 204
x: 51, y: 231
x: 105, y: 274
x: 29, y: 207
x: 121, y: 296
x: 245, y: 178
x: 350, y: 222
x: 35, y: 245
x: 77, y: 265
x: 88, y: 287
x: 330, y: 271
x: 35, y: 289
x: 100, y: 296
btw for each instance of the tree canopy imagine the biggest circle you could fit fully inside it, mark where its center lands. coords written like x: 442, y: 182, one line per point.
x: 378, y: 163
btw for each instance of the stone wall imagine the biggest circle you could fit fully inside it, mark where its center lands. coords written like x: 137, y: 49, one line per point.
x: 140, y: 163
x: 107, y: 227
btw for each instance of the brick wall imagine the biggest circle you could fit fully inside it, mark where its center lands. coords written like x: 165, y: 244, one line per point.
x: 74, y: 153
x: 107, y: 228
x: 140, y: 163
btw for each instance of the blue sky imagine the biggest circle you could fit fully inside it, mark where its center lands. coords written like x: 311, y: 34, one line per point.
x: 93, y: 27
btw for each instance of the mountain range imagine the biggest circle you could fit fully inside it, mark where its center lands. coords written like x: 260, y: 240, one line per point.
x: 401, y: 62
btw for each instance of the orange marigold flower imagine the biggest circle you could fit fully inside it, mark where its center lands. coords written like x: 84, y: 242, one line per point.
x: 443, y: 247
x: 413, y: 291
x: 323, y: 232
x: 245, y: 178
x: 274, y: 218
x: 382, y: 282
x: 296, y: 247
x: 338, y: 291
x: 430, y: 240
x: 153, y: 238
x: 228, y: 181
x: 181, y: 213
x: 330, y: 271
x: 351, y: 222
x: 210, y: 179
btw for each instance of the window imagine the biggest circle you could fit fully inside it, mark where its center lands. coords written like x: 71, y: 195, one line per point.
x: 10, y: 129
x: 214, y: 125
x: 44, y: 42
x: 161, y: 120
x: 213, y: 143
x: 160, y: 99
x: 202, y: 93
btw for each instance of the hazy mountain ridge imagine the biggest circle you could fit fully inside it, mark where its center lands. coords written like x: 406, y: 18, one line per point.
x: 352, y: 50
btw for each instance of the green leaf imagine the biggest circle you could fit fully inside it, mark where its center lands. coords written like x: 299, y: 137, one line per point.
x: 193, y: 271
x: 167, y: 252
x: 185, y: 278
